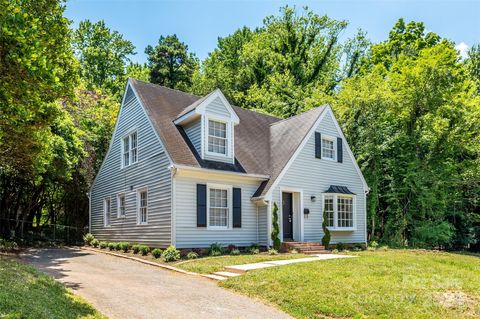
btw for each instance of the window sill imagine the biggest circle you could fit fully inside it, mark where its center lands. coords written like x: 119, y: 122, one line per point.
x: 342, y: 229
x: 329, y: 159
x: 142, y: 224
x: 217, y: 154
x: 218, y: 228
x: 129, y: 166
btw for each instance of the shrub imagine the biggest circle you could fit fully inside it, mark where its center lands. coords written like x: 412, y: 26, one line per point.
x: 272, y: 251
x: 95, y: 243
x: 192, y: 255
x: 341, y: 246
x: 358, y: 247
x: 335, y: 251
x: 124, y: 246
x: 171, y: 254
x: 8, y: 245
x: 235, y: 252
x: 112, y: 246
x: 373, y: 244
x: 157, y: 253
x: 383, y: 248
x: 135, y: 249
x: 215, y: 249
x: 231, y: 247
x: 275, y: 228
x: 254, y: 249
x: 88, y: 238
x: 144, y: 250
x: 326, y: 232
x: 103, y: 244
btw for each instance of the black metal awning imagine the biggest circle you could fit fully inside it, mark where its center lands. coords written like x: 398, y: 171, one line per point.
x: 339, y: 190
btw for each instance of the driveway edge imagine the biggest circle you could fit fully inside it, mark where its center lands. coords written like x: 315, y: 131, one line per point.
x: 143, y: 261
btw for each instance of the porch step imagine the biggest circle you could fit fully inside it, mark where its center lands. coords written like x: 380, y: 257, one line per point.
x: 304, y: 247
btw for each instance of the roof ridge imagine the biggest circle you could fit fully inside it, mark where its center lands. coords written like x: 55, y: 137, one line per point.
x: 297, y: 115
x: 165, y: 87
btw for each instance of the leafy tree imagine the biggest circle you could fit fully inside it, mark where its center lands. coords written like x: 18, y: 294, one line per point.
x: 275, y: 228
x: 326, y: 232
x: 103, y: 55
x: 171, y: 64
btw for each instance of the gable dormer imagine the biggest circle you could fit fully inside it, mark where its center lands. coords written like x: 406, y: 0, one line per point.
x: 209, y: 125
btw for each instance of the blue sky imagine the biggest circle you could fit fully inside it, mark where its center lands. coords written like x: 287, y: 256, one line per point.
x: 200, y: 23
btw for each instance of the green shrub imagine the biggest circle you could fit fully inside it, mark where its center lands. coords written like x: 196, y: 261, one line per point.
x: 135, y: 249
x: 235, y: 252
x: 112, y: 246
x: 254, y: 249
x: 326, y: 232
x: 383, y: 248
x: 358, y: 247
x: 373, y: 244
x: 144, y: 250
x: 275, y: 229
x: 192, y: 255
x: 231, y: 247
x: 88, y: 238
x: 124, y: 246
x: 341, y: 246
x: 432, y: 235
x: 215, y: 249
x: 157, y: 253
x: 272, y: 251
x: 95, y: 243
x: 103, y: 244
x: 8, y: 245
x: 171, y: 254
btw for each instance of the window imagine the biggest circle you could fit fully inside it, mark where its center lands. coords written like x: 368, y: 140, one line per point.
x: 339, y: 209
x: 328, y: 148
x: 329, y: 210
x: 107, y: 210
x: 218, y: 208
x: 129, y: 149
x: 142, y: 198
x: 217, y: 137
x: 121, y: 205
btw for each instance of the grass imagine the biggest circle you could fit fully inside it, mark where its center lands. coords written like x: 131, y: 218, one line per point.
x: 387, y: 284
x: 28, y: 293
x: 208, y: 265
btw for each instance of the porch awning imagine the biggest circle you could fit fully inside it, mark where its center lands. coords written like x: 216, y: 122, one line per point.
x: 339, y: 190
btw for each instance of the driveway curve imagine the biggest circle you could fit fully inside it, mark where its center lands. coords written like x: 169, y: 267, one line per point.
x: 121, y: 288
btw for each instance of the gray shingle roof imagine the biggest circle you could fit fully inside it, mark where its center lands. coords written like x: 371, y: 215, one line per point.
x: 263, y: 143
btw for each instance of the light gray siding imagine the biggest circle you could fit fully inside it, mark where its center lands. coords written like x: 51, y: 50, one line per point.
x: 188, y: 235
x: 216, y: 107
x: 263, y: 225
x: 151, y: 172
x: 314, y: 176
x: 194, y: 133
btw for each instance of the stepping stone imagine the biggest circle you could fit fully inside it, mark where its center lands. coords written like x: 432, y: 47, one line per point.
x: 226, y: 274
x: 215, y: 277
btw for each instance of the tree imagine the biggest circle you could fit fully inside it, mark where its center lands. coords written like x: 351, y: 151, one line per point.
x: 275, y: 229
x: 103, y: 56
x: 171, y: 64
x: 326, y: 231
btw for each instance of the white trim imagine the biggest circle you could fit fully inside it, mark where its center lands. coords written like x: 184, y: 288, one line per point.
x: 332, y: 139
x: 269, y: 222
x: 128, y: 134
x: 297, y: 203
x: 138, y: 191
x: 335, y: 211
x: 229, y: 189
x: 173, y: 190
x: 201, y: 108
x: 184, y: 117
x: 118, y: 205
x: 105, y: 199
x: 228, y: 136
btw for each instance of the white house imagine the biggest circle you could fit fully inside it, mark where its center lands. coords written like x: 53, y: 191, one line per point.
x: 189, y: 171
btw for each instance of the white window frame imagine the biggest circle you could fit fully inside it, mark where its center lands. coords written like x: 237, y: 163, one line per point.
x: 229, y: 190
x: 139, y: 191
x: 107, y: 213
x: 334, y: 141
x: 228, y: 136
x: 335, y: 211
x: 119, y: 214
x: 130, y: 149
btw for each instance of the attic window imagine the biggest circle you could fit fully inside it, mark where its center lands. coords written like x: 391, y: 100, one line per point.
x: 328, y: 148
x: 217, y: 137
x: 129, y: 149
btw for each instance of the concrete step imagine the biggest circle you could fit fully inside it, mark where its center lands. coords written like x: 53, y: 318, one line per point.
x: 226, y: 274
x: 215, y: 277
x: 316, y: 252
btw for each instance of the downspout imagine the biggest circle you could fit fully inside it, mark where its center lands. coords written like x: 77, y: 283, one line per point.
x: 89, y: 195
x: 173, y: 172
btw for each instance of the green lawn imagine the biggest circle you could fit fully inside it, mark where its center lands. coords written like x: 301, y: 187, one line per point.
x: 27, y: 293
x: 387, y: 284
x: 209, y: 265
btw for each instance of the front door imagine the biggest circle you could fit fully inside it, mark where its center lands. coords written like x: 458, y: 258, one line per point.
x: 287, y: 209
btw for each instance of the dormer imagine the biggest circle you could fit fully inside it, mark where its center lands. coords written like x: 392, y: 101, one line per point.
x: 209, y: 125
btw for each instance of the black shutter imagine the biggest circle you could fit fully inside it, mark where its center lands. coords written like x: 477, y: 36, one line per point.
x: 318, y: 145
x: 237, y: 207
x: 339, y: 150
x: 201, y: 205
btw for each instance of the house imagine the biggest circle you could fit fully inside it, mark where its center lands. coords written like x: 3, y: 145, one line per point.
x: 189, y: 171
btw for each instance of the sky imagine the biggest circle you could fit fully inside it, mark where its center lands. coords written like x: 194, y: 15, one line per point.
x: 200, y: 23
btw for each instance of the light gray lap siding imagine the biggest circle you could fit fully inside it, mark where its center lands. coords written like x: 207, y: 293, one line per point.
x: 314, y: 176
x: 263, y: 226
x: 216, y: 107
x: 151, y: 172
x: 188, y: 235
x: 194, y: 133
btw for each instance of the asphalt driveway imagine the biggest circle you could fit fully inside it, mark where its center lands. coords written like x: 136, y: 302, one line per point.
x: 121, y: 288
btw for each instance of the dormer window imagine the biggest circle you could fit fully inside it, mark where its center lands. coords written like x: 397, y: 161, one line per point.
x: 217, y: 137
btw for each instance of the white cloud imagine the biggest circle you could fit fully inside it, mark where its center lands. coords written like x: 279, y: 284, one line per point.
x: 463, y: 48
